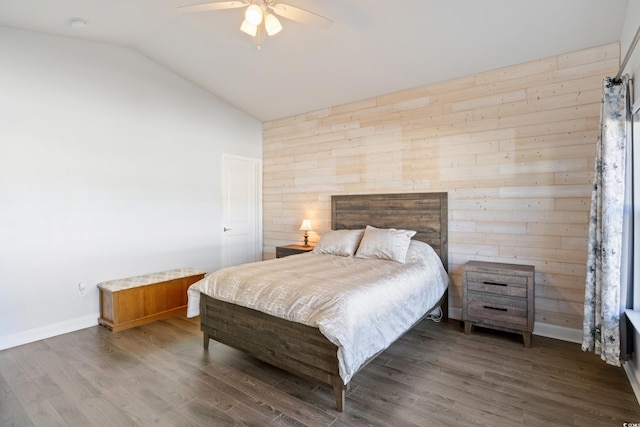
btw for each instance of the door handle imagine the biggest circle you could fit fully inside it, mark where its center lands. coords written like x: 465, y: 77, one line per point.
x: 226, y: 229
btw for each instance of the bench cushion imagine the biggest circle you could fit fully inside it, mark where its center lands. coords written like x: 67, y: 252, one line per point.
x: 148, y: 279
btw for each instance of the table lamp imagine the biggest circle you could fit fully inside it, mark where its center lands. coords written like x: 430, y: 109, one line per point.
x: 306, y: 227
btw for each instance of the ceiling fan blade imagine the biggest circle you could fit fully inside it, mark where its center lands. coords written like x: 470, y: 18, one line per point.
x: 300, y: 15
x: 216, y: 5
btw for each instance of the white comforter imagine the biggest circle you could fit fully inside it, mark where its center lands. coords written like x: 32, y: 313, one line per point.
x: 360, y: 305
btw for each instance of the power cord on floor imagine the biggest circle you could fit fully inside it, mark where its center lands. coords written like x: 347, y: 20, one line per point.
x: 435, y: 315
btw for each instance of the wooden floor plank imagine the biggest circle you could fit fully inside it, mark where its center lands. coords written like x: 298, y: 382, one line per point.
x: 12, y: 413
x: 159, y: 374
x: 281, y: 402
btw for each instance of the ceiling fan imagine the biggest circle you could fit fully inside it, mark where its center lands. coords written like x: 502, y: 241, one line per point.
x: 259, y: 22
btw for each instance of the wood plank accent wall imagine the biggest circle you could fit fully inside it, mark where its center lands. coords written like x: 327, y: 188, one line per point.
x: 513, y: 147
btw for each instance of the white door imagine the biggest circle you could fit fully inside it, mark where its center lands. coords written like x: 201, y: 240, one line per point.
x: 241, y: 210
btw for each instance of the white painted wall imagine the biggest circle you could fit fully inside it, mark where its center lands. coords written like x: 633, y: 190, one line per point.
x: 109, y: 168
x: 632, y: 22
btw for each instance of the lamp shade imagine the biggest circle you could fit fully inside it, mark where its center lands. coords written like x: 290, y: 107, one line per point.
x: 249, y: 28
x: 272, y: 25
x: 306, y: 225
x: 253, y: 15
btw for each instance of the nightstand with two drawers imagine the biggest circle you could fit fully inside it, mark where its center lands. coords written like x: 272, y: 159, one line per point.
x: 499, y: 296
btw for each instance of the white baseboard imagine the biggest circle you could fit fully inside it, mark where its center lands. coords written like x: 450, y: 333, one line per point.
x: 541, y: 329
x: 633, y: 372
x: 36, y: 334
x: 558, y: 332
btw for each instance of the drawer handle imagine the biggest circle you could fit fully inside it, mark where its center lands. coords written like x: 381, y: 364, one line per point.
x: 495, y: 308
x: 495, y: 283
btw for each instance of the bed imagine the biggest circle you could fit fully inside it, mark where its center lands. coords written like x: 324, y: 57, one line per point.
x: 314, y: 352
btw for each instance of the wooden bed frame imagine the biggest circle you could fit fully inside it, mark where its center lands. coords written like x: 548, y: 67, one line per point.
x: 300, y: 349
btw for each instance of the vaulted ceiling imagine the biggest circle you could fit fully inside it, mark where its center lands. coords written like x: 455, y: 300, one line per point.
x: 374, y: 47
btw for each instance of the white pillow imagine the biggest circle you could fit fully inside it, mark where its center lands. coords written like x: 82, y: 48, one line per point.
x: 385, y: 243
x: 339, y: 242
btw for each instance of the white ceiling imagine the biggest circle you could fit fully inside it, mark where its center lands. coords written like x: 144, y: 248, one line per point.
x: 374, y: 47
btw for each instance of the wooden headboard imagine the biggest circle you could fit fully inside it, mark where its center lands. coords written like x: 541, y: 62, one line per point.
x: 426, y: 213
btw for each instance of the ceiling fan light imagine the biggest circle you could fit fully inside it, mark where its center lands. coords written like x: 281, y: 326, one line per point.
x: 253, y: 15
x: 249, y: 28
x: 272, y: 25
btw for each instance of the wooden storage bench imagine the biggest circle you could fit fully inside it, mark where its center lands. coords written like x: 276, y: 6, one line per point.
x: 125, y: 303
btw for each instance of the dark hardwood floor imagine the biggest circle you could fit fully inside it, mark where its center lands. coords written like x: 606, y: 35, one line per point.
x: 159, y: 374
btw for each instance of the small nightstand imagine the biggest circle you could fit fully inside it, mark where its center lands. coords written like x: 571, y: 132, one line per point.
x: 283, y: 251
x: 499, y: 296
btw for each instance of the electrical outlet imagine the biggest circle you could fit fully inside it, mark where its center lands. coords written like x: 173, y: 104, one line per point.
x: 82, y: 290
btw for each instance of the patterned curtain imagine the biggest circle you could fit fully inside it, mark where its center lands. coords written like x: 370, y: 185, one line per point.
x: 601, y: 327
